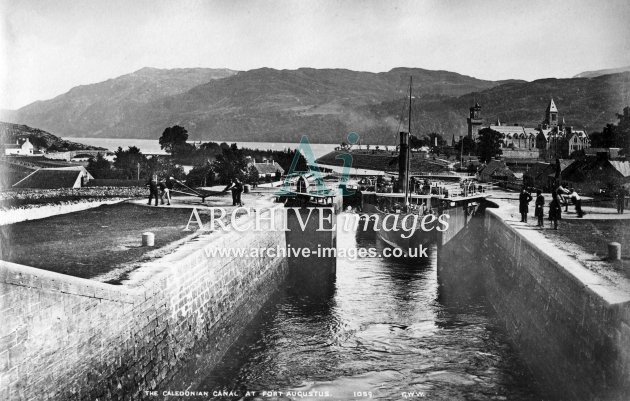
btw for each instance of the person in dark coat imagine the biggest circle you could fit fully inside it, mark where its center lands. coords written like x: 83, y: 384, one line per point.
x: 523, y: 204
x: 359, y: 198
x: 620, y: 199
x: 555, y: 210
x: 540, y: 205
x: 237, y: 189
x: 153, y: 189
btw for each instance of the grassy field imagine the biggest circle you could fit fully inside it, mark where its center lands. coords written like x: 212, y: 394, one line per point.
x: 91, y: 242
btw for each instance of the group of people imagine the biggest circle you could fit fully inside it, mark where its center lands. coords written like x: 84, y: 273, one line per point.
x: 559, y: 197
x: 161, y: 188
x: 236, y: 186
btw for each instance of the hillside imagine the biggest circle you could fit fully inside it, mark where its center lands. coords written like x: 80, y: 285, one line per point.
x: 324, y: 104
x: 10, y: 133
x: 262, y: 104
x: 587, y: 103
x: 90, y: 110
x: 597, y: 73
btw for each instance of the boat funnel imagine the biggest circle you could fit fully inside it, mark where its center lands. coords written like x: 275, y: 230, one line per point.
x: 403, y: 161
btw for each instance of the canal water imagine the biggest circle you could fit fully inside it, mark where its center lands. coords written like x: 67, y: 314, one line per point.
x: 380, y: 333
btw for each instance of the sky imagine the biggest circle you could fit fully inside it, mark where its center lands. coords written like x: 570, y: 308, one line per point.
x: 48, y: 47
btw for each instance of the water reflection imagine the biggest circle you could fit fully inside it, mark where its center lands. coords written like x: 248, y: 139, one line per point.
x: 380, y: 329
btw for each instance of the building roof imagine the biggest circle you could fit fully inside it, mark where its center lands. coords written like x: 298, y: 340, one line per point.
x: 268, y: 168
x: 589, y: 167
x: 578, y: 133
x: 50, y: 178
x: 508, y: 130
x: 622, y: 166
x: 552, y: 107
x: 19, y: 143
x: 538, y: 170
x: 564, y: 163
x: 514, y: 131
x: 497, y: 168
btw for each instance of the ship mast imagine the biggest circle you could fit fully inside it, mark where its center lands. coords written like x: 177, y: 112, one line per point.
x: 408, y: 150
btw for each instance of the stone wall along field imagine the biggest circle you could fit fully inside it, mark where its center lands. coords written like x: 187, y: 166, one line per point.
x: 68, y: 338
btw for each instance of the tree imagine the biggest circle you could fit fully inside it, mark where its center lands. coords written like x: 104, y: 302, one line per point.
x: 163, y: 166
x: 469, y: 146
x: 488, y: 144
x: 252, y: 175
x: 230, y: 164
x: 100, y: 167
x: 614, y: 136
x: 415, y: 142
x: 127, y: 161
x: 202, y: 175
x: 435, y: 137
x: 173, y: 138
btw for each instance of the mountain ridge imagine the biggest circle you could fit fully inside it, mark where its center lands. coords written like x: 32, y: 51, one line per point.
x: 606, y: 71
x: 267, y: 104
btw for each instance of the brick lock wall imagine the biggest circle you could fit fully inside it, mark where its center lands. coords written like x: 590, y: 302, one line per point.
x: 574, y: 336
x: 67, y: 338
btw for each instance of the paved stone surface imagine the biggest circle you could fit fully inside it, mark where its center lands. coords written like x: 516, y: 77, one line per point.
x: 561, y: 248
x: 592, y: 212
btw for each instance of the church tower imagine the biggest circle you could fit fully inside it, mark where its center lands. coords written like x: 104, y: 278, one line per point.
x: 474, y: 121
x: 551, y: 115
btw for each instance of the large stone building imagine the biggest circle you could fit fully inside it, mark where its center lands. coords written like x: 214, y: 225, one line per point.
x: 552, y: 138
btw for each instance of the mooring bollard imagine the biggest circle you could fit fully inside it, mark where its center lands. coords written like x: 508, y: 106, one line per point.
x: 614, y: 251
x: 148, y: 239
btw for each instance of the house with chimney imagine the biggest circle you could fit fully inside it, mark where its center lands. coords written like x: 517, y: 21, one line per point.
x: 267, y: 169
x: 22, y: 147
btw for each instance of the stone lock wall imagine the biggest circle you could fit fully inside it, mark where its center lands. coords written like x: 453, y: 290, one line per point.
x: 570, y: 327
x: 68, y: 338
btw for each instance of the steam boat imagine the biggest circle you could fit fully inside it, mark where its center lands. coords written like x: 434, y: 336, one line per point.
x: 418, y: 210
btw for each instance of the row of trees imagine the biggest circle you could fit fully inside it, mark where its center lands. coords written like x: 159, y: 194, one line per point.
x: 614, y: 135
x: 131, y: 164
x: 212, y: 163
x: 234, y: 162
x: 486, y: 146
